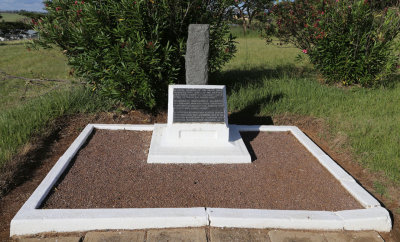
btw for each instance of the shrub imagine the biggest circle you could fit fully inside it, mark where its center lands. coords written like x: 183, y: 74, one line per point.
x: 348, y: 41
x: 131, y: 50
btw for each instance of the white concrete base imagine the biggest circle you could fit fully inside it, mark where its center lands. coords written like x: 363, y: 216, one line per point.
x: 31, y: 220
x: 230, y: 152
x: 192, y: 134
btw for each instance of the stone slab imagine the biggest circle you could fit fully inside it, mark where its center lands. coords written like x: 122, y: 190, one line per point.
x: 363, y: 236
x: 187, y: 235
x: 196, y: 58
x: 115, y: 236
x: 238, y: 235
x: 314, y: 236
x: 295, y: 236
x: 54, y: 239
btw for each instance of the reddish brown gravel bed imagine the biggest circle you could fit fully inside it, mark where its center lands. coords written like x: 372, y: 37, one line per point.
x: 110, y: 171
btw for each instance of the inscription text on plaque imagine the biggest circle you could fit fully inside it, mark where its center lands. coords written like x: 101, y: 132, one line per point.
x: 198, y: 105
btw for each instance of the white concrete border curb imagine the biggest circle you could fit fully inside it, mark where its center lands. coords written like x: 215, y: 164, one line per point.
x: 31, y: 220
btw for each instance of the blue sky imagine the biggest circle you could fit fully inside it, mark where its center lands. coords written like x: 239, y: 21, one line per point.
x: 29, y: 5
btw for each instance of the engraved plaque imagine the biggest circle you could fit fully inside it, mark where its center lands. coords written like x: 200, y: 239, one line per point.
x: 198, y: 105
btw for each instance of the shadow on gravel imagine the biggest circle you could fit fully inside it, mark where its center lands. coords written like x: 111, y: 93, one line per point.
x: 247, y: 138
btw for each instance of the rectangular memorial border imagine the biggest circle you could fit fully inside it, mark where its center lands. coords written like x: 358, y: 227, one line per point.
x: 31, y: 220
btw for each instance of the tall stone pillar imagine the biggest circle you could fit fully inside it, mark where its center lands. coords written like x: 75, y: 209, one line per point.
x: 196, y: 59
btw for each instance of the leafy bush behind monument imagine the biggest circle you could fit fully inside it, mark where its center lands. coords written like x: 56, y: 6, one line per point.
x: 131, y: 50
x: 348, y: 41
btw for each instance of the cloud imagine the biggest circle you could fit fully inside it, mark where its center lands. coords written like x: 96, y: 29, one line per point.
x: 29, y: 5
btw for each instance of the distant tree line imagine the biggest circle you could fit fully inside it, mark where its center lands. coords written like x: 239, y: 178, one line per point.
x: 21, y: 12
x: 246, y: 11
x: 19, y: 27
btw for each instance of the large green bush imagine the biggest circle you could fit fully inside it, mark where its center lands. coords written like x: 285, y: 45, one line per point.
x: 348, y: 41
x: 131, y: 50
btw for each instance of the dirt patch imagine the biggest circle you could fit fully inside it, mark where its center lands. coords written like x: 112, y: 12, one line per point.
x: 283, y: 176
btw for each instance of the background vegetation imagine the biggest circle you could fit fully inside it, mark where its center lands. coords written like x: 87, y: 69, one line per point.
x: 262, y: 80
x: 348, y: 41
x: 131, y: 51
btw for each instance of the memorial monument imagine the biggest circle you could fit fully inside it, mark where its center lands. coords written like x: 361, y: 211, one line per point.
x: 196, y: 58
x: 197, y: 130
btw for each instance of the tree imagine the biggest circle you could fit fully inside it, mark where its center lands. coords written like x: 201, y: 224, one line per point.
x: 249, y: 9
x: 32, y: 15
x: 348, y: 41
x: 131, y: 50
x: 381, y: 5
x: 14, y: 28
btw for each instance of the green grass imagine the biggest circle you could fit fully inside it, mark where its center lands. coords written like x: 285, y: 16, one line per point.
x: 16, y: 60
x: 380, y: 188
x: 238, y: 32
x: 265, y: 80
x: 11, y: 17
x: 18, y: 124
x: 43, y: 102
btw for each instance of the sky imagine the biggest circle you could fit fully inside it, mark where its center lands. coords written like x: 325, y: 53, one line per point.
x: 29, y: 5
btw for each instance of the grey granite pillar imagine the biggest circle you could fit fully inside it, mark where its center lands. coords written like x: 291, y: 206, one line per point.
x: 196, y: 59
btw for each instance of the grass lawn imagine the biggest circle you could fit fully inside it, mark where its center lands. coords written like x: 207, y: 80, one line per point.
x: 25, y: 107
x: 267, y: 80
x: 11, y: 17
x: 16, y: 60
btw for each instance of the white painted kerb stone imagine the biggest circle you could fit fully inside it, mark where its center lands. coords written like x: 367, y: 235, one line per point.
x: 31, y: 220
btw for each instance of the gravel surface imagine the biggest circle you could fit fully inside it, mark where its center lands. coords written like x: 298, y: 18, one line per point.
x: 110, y: 171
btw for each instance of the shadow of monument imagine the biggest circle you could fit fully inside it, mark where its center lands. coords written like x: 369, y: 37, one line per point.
x: 236, y: 79
x: 249, y: 115
x: 247, y: 138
